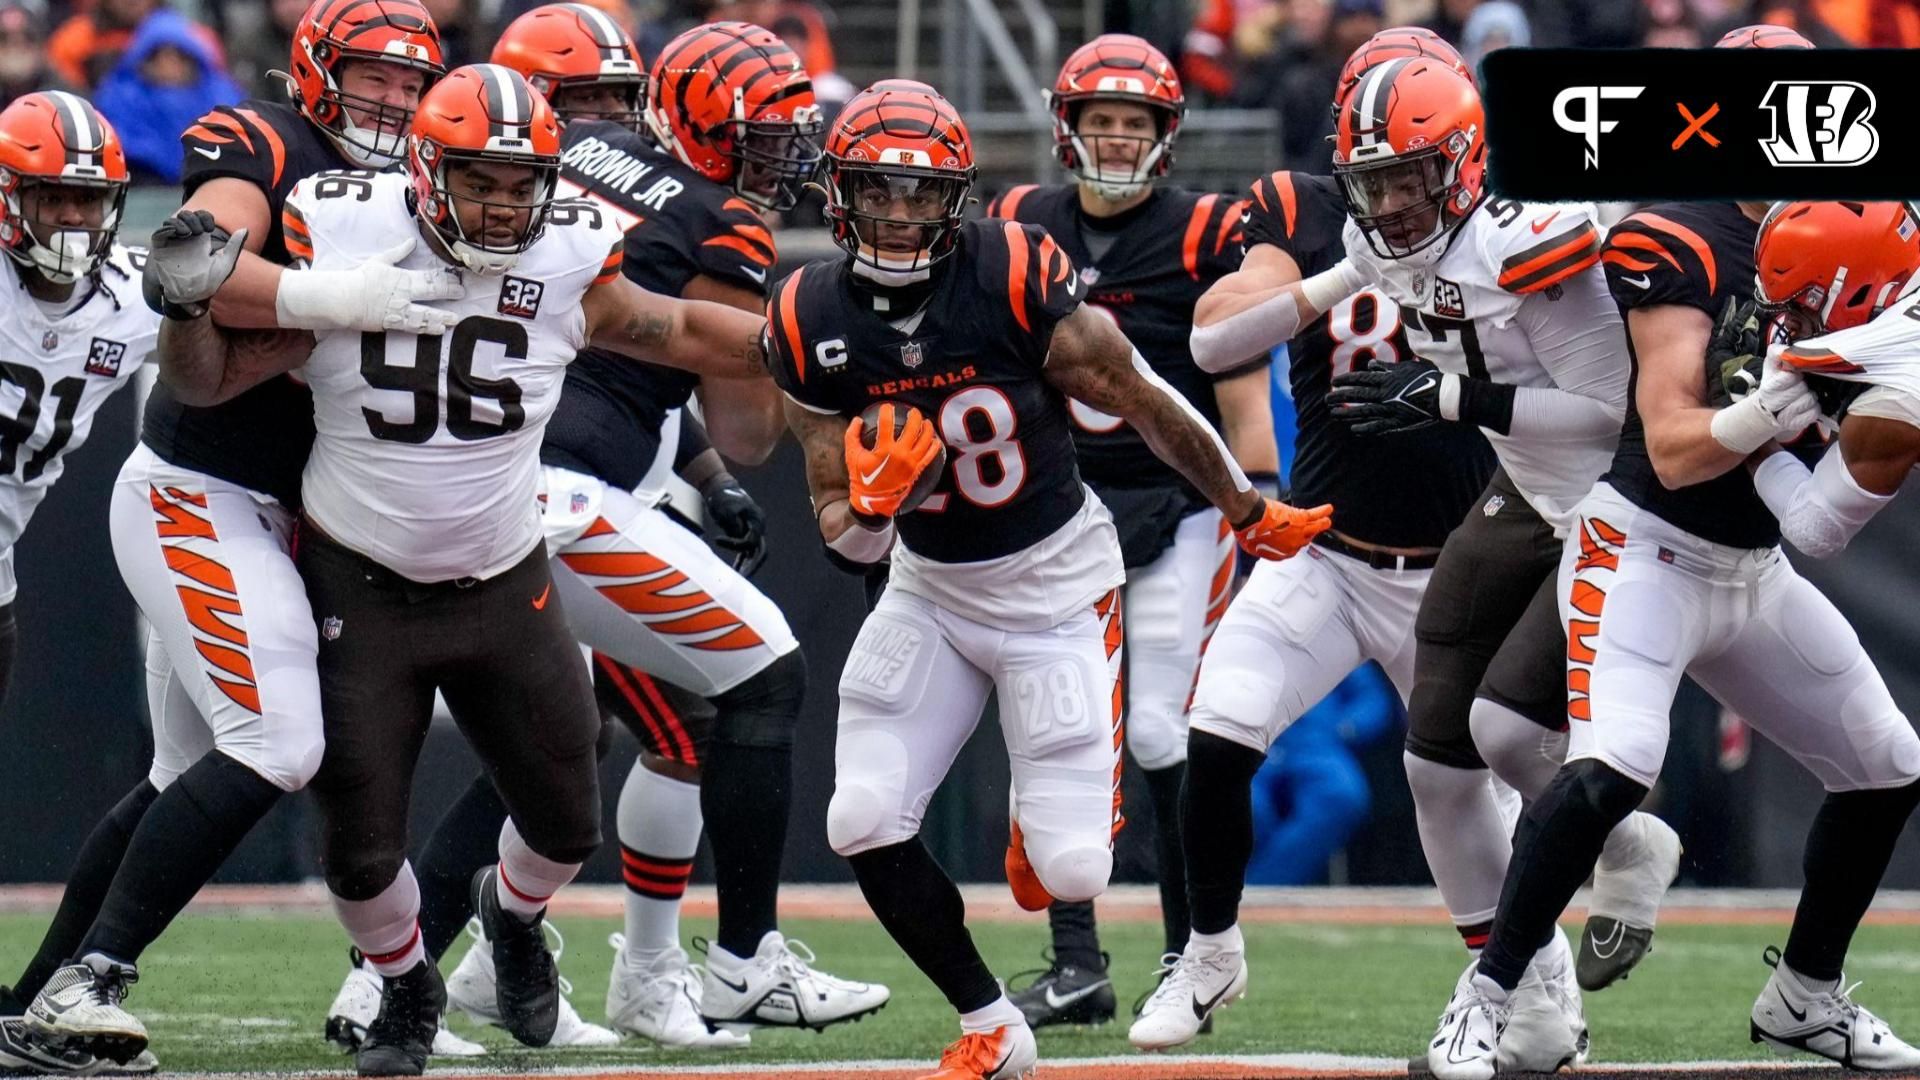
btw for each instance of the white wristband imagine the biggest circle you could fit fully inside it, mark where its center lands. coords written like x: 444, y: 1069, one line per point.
x: 863, y: 545
x: 1329, y: 287
x: 308, y: 300
x: 1449, y: 396
x: 1744, y: 426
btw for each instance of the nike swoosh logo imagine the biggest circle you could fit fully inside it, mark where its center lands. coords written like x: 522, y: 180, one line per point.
x: 1540, y: 226
x: 868, y: 478
x: 757, y: 275
x: 1798, y: 1014
x: 210, y: 155
x: 1605, y: 949
x: 738, y: 988
x: 1246, y: 217
x: 1640, y: 282
x: 540, y: 602
x: 1200, y: 1011
x: 1061, y: 1001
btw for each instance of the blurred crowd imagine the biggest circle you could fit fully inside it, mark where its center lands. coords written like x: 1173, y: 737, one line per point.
x: 154, y: 66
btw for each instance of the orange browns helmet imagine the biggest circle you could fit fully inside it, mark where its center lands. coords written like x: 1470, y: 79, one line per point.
x: 392, y: 31
x: 1391, y: 44
x: 1117, y: 67
x: 1824, y: 266
x: 483, y: 114
x: 1410, y: 152
x: 57, y: 139
x: 1763, y: 36
x: 560, y: 47
x: 734, y: 102
x: 898, y: 142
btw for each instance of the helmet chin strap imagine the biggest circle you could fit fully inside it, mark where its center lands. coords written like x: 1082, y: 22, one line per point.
x: 892, y: 271
x: 369, y: 148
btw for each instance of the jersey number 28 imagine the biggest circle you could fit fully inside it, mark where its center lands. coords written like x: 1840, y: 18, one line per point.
x: 422, y: 380
x: 988, y: 410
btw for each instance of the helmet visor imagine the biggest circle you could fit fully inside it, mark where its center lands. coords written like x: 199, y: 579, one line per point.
x: 777, y: 158
x: 1398, y: 202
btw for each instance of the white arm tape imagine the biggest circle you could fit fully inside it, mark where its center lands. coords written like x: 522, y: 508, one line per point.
x: 1238, y: 338
x: 1240, y: 481
x: 863, y: 545
x: 1819, y: 513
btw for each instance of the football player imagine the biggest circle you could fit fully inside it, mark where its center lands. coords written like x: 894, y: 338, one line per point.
x: 966, y: 340
x: 703, y: 668
x: 1296, y: 628
x: 422, y: 546
x: 1145, y: 254
x: 1675, y: 568
x: 202, y: 516
x: 75, y: 333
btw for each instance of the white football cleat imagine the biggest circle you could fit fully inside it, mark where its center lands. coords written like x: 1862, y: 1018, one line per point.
x: 79, y: 1008
x: 778, y: 987
x: 1005, y: 1053
x: 1548, y: 1026
x: 470, y: 989
x: 1626, y: 902
x: 1193, y: 984
x: 1787, y: 1016
x: 358, y: 1003
x: 1466, y: 1044
x: 662, y: 1003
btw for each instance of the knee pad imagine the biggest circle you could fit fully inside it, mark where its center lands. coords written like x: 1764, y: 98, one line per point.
x: 858, y: 820
x: 1520, y: 752
x: 1071, y: 874
x: 1236, y: 703
x: 763, y: 710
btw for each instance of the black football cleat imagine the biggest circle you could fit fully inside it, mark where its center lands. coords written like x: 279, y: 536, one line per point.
x: 526, y: 984
x: 1064, y: 994
x: 400, y: 1039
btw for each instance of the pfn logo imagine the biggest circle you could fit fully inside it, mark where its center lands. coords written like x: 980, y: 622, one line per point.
x: 1588, y: 124
x: 1820, y: 123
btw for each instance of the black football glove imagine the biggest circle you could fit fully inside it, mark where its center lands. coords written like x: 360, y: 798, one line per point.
x: 1388, y: 398
x: 1736, y: 353
x: 735, y: 523
x: 191, y: 257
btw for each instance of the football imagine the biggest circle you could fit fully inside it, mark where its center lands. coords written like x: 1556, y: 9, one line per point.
x: 929, y: 477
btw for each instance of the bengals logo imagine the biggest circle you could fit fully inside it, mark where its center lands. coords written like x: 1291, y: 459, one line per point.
x: 1820, y: 123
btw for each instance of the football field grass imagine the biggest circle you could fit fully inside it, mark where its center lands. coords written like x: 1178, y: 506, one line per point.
x: 246, y: 991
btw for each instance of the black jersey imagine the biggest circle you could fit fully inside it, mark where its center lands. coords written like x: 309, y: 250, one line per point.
x: 1699, y: 255
x: 259, y: 440
x: 1407, y: 490
x: 679, y: 225
x: 1164, y: 254
x: 972, y: 364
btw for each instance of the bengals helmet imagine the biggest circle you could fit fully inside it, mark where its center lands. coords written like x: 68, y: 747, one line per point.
x: 1391, y: 44
x: 1763, y: 36
x: 734, y: 102
x: 1410, y: 153
x: 1117, y: 67
x: 1825, y: 266
x: 898, y: 142
x: 483, y: 114
x: 332, y: 31
x: 567, y: 51
x: 54, y: 139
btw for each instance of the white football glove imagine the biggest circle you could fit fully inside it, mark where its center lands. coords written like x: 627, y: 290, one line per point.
x: 191, y: 257
x: 1781, y: 408
x: 376, y: 295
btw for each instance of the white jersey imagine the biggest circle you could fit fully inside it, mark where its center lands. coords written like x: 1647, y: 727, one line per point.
x: 1518, y: 285
x: 427, y: 456
x: 1883, y: 352
x: 55, y: 373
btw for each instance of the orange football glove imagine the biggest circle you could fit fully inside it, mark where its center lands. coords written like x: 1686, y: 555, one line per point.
x: 880, y: 479
x: 1281, y: 530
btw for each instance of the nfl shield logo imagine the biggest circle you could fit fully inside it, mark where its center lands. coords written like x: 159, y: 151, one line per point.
x: 579, y: 502
x: 1419, y: 284
x: 330, y: 629
x: 1493, y: 505
x: 50, y: 341
x: 910, y: 354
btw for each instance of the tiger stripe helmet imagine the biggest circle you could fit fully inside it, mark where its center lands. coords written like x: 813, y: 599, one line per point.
x: 1410, y: 153
x: 564, y: 47
x: 1763, y: 36
x: 1117, y: 67
x: 483, y: 113
x: 332, y: 31
x: 54, y: 138
x: 898, y: 141
x: 735, y: 103
x: 1391, y: 44
x: 1826, y: 266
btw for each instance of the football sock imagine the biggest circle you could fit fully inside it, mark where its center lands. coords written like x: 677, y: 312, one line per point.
x: 178, y: 846
x: 659, y: 825
x: 1847, y: 850
x: 1075, y: 941
x: 87, y: 885
x: 921, y: 908
x: 466, y: 839
x: 1163, y: 788
x: 527, y: 879
x: 744, y: 795
x: 1216, y: 817
x: 1466, y: 841
x: 1558, y: 842
x: 386, y: 928
x: 992, y: 1016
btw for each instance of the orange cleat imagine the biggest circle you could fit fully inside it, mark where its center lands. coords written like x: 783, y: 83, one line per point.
x: 1027, y: 890
x: 1005, y: 1053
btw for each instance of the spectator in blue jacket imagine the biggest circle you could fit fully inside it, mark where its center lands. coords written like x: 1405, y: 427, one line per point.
x: 167, y: 79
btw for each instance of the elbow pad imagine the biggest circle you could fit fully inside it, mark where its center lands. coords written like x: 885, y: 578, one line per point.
x: 1232, y: 341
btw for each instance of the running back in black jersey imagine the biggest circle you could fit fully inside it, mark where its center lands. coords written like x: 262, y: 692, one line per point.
x: 1165, y: 253
x: 1407, y: 490
x: 679, y: 226
x: 972, y: 365
x: 1699, y: 255
x: 260, y: 439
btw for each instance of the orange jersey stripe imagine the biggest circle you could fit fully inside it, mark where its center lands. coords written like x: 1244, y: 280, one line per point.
x: 1614, y: 257
x: 1196, y: 228
x: 1008, y: 205
x: 204, y: 611
x: 1229, y: 226
x: 245, y: 696
x: 1639, y: 242
x: 791, y: 324
x: 647, y: 600
x: 177, y: 520
x: 1017, y: 273
x: 739, y: 638
x: 612, y: 563
x: 716, y: 618
x: 1289, y: 199
x: 1686, y: 236
x: 745, y: 247
x: 275, y: 146
x: 232, y: 661
x: 610, y: 269
x: 199, y: 568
